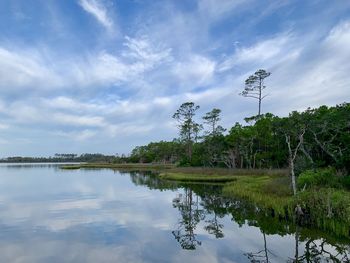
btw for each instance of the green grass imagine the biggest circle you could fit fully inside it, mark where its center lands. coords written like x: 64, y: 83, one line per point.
x: 182, y: 177
x: 266, y: 188
x: 265, y: 191
x: 224, y: 171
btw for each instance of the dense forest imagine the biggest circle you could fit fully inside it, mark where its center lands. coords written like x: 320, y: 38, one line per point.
x: 303, y: 140
x: 310, y: 139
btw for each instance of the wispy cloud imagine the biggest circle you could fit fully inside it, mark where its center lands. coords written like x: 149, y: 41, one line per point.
x: 32, y: 69
x: 20, y: 69
x: 262, y: 52
x: 66, y: 82
x: 196, y: 70
x: 99, y: 11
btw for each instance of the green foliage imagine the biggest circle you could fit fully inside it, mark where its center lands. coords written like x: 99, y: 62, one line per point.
x: 259, y: 145
x: 326, y: 177
x: 345, y: 181
x: 322, y: 177
x: 254, y: 86
x: 188, y: 128
x: 326, y: 203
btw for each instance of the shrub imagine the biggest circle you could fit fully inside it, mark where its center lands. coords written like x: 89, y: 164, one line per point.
x: 345, y: 181
x: 321, y: 177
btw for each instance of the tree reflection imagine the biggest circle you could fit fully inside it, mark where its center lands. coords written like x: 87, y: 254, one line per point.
x: 320, y: 251
x: 261, y: 256
x: 206, y: 204
x: 191, y: 215
x: 149, y: 179
x: 214, y: 227
x: 216, y: 206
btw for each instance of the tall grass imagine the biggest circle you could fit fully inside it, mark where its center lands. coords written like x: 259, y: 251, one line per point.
x: 183, y: 177
x: 265, y: 191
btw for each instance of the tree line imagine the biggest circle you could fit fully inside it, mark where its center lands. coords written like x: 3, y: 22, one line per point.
x: 62, y: 157
x: 305, y: 140
x: 313, y: 138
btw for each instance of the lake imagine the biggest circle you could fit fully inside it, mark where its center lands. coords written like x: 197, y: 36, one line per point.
x: 53, y: 215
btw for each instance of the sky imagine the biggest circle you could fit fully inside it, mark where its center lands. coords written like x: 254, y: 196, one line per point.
x: 103, y: 76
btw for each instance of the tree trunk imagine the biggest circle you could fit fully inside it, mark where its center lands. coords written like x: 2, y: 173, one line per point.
x: 296, y: 245
x: 291, y: 164
x: 293, y: 155
x: 260, y: 87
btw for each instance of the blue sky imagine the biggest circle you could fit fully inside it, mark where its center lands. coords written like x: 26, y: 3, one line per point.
x: 107, y: 75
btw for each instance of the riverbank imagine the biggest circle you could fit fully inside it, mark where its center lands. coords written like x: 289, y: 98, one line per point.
x: 173, y: 169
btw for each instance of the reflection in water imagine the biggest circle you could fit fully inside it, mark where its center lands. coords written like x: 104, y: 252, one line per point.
x: 320, y: 251
x: 262, y: 255
x: 214, y: 206
x: 191, y: 215
x: 49, y: 215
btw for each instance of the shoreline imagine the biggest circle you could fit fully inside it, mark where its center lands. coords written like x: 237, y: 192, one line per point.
x: 267, y: 188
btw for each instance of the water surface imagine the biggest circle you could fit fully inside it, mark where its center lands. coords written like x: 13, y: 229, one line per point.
x: 53, y: 215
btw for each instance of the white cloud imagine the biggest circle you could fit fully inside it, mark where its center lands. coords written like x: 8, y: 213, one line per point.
x: 32, y: 69
x: 322, y: 78
x: 96, y: 8
x: 142, y: 49
x: 274, y: 49
x: 129, y: 88
x: 4, y: 126
x: 75, y: 120
x: 24, y: 69
x: 212, y: 9
x: 75, y: 135
x: 197, y: 70
x: 339, y: 37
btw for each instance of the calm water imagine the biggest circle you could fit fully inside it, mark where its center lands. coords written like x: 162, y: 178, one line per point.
x: 53, y: 215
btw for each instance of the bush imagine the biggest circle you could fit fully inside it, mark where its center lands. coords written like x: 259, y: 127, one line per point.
x: 345, y: 181
x: 321, y: 177
x: 326, y: 203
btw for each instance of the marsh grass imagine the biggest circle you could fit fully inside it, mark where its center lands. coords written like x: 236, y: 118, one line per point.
x: 266, y: 191
x: 183, y: 177
x: 324, y: 208
x: 225, y: 171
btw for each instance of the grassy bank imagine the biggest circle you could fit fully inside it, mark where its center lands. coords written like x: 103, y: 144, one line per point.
x: 185, y: 177
x: 266, y: 191
x: 266, y: 188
